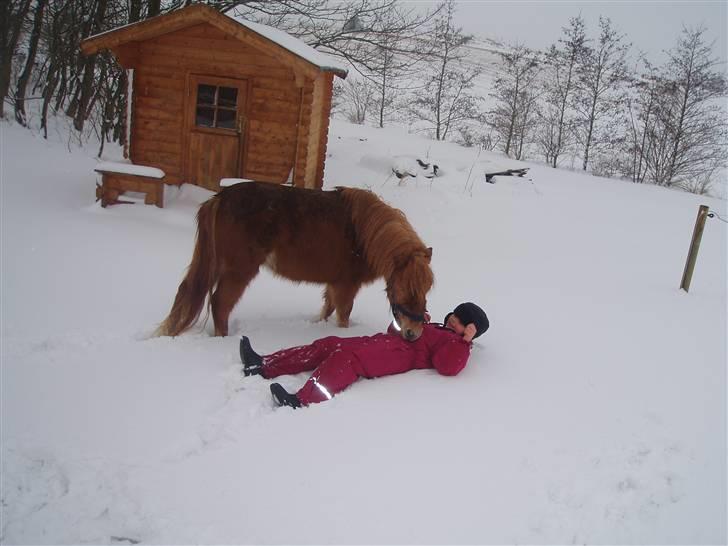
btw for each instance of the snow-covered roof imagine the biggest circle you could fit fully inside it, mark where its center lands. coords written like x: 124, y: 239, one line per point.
x: 200, y: 13
x: 294, y: 45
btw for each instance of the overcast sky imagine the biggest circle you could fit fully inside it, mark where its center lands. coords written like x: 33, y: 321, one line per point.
x: 650, y: 26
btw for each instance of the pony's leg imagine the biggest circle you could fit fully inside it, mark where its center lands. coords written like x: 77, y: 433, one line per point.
x: 329, y: 306
x: 229, y: 290
x: 344, y: 294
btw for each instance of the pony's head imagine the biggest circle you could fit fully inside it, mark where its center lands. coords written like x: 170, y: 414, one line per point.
x: 407, y: 288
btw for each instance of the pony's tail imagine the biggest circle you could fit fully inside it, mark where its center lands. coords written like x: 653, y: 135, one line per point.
x: 202, y: 275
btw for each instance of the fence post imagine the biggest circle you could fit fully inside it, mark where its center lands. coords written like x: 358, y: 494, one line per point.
x: 694, y: 246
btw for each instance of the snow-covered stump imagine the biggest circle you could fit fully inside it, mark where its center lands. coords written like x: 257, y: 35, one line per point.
x: 119, y: 178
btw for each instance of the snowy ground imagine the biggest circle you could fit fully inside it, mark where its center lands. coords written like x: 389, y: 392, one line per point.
x: 593, y: 410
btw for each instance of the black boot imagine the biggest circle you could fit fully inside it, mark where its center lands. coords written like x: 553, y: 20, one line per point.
x: 284, y: 398
x: 252, y: 361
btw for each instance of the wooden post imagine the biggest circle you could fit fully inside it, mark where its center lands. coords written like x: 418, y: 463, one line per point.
x: 694, y: 246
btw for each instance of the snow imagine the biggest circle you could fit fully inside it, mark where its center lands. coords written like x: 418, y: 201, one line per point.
x: 129, y: 168
x: 225, y: 182
x: 412, y: 166
x: 294, y: 45
x: 592, y: 411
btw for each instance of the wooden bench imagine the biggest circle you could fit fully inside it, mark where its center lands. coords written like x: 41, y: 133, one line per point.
x: 118, y: 178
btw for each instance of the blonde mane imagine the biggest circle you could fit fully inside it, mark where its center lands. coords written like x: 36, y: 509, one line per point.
x: 388, y: 240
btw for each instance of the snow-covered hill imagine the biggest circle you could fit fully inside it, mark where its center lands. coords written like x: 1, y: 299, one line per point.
x: 593, y: 410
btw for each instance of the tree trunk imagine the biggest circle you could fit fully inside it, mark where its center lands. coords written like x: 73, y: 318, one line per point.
x: 48, y: 91
x: 89, y: 69
x: 679, y: 130
x: 514, y: 115
x: 121, y: 97
x: 383, y: 97
x: 562, y: 112
x: 153, y: 8
x: 29, y: 63
x: 10, y: 25
x: 85, y: 93
x: 589, y: 133
x: 135, y: 10
x: 438, y: 95
x: 62, y: 89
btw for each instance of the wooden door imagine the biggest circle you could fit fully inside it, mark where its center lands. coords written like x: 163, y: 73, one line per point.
x: 215, y: 130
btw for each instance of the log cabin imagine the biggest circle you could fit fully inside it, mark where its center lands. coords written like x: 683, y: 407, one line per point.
x: 216, y: 97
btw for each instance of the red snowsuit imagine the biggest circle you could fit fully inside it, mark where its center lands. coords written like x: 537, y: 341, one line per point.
x: 338, y: 362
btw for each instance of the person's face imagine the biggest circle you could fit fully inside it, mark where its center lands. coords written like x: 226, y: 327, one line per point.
x: 454, y: 324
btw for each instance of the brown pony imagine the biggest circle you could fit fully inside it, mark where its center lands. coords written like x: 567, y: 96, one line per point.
x: 343, y: 238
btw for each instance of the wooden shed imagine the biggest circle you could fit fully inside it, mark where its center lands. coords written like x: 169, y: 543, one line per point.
x: 216, y: 97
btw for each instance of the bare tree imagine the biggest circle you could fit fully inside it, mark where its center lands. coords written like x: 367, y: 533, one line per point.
x: 678, y: 135
x: 353, y: 30
x: 525, y: 124
x: 24, y: 77
x: 12, y: 16
x: 85, y: 91
x: 514, y: 94
x: 690, y: 113
x: 391, y: 72
x: 478, y: 133
x: 52, y: 74
x: 562, y: 64
x: 358, y: 98
x: 382, y: 38
x: 448, y: 101
x: 641, y: 99
x: 600, y: 96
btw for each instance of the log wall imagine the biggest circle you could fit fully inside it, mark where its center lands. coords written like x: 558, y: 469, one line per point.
x: 324, y: 129
x: 160, y: 86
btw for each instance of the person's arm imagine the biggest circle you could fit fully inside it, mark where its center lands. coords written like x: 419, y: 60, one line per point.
x: 452, y: 356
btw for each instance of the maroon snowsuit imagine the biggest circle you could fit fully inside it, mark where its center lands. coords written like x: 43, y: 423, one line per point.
x: 338, y: 362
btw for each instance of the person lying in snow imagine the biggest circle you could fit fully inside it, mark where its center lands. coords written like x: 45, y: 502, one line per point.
x: 337, y: 362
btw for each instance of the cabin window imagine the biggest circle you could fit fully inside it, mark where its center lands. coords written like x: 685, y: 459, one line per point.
x: 216, y: 106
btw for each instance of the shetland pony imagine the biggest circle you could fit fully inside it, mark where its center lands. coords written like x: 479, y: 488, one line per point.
x: 343, y: 238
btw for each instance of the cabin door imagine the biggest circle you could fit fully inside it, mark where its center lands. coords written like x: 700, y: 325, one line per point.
x: 215, y: 130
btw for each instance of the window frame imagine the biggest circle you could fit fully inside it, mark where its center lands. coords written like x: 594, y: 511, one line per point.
x: 195, y: 80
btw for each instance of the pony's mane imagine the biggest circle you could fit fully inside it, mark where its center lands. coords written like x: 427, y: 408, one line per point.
x: 385, y: 235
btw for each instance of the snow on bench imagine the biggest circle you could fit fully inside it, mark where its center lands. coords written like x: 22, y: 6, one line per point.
x: 226, y: 182
x: 129, y: 168
x: 119, y: 178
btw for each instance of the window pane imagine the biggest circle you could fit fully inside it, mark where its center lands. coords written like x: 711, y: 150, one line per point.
x: 226, y: 119
x: 228, y: 97
x: 205, y: 117
x: 206, y: 94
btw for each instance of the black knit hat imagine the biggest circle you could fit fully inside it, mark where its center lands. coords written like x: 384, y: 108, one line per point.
x: 469, y: 313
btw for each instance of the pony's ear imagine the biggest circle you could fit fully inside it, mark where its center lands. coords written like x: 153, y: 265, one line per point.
x: 428, y: 254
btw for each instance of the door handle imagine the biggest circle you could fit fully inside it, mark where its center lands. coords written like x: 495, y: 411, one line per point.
x: 241, y: 123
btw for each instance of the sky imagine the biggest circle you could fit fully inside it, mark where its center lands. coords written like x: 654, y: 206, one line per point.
x: 651, y: 26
